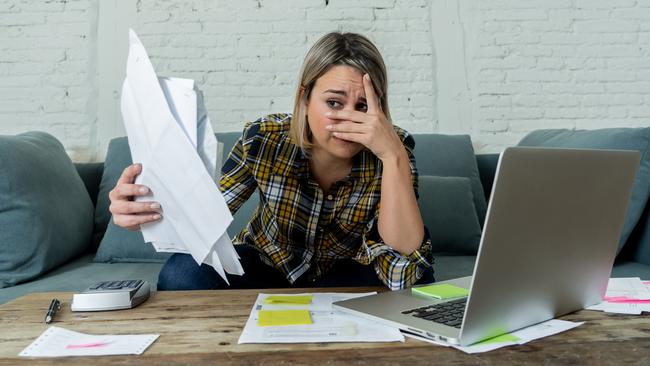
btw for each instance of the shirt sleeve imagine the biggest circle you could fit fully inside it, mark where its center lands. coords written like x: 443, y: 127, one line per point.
x: 237, y: 182
x: 395, y: 270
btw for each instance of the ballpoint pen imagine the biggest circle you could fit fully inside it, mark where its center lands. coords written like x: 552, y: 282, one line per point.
x: 54, y: 306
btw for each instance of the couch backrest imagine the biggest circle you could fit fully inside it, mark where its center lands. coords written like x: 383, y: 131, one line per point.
x: 91, y: 174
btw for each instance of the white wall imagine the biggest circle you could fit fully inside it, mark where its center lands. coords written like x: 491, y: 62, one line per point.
x: 495, y: 69
x: 555, y: 64
x: 47, y: 71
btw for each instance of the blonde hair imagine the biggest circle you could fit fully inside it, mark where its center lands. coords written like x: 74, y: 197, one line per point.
x: 333, y: 49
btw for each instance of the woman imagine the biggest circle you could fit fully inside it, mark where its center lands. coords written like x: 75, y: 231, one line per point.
x: 337, y: 184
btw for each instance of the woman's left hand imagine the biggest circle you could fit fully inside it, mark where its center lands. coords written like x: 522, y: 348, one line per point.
x: 371, y: 129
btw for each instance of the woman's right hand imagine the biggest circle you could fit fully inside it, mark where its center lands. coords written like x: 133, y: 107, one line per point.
x: 126, y: 212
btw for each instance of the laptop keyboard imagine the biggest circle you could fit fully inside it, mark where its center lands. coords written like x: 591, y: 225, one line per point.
x: 448, y: 313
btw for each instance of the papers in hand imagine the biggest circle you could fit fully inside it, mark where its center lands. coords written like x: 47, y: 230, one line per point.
x: 59, y: 342
x: 170, y: 134
x: 328, y: 325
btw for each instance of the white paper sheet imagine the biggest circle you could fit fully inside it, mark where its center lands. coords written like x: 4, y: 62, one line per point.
x: 329, y: 325
x: 630, y: 287
x: 170, y: 134
x: 59, y: 342
x: 525, y: 335
x: 627, y: 290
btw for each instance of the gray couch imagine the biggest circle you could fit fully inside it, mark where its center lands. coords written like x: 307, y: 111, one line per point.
x: 435, y: 158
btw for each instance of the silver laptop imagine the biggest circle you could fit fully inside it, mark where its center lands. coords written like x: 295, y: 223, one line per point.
x: 550, y: 237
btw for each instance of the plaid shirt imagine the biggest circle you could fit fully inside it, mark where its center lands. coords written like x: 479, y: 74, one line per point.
x: 296, y: 227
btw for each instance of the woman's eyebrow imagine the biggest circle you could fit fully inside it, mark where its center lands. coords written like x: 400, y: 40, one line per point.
x: 343, y: 93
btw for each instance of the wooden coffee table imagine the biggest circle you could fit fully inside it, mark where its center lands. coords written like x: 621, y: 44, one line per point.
x: 202, y: 327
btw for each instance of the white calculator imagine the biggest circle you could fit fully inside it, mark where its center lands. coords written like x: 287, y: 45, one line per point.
x: 111, y: 295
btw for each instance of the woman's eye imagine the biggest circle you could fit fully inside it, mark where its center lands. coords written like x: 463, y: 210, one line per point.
x: 334, y: 104
x: 361, y: 107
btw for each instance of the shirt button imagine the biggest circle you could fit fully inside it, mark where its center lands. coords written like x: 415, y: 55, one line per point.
x: 330, y: 197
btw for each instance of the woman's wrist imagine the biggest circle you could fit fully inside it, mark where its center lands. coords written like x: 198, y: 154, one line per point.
x: 397, y: 158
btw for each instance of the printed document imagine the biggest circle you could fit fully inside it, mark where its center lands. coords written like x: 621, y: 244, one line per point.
x: 325, y: 324
x: 627, y: 295
x: 170, y: 135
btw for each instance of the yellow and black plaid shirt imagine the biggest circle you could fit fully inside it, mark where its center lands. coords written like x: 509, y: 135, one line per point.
x: 296, y: 227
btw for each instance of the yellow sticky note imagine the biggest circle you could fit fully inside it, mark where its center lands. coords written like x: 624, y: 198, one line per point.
x: 500, y: 339
x: 289, y: 300
x: 441, y: 291
x: 268, y: 318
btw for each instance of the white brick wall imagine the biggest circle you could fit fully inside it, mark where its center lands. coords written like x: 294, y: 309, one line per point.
x: 46, y: 71
x: 556, y: 64
x: 493, y: 68
x: 246, y: 55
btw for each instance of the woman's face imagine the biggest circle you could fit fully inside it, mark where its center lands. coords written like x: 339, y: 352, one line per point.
x: 340, y: 88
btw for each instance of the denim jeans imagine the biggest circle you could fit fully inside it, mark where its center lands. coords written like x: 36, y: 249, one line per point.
x: 182, y: 273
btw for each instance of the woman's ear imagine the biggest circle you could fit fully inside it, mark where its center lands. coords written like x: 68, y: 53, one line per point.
x: 303, y: 97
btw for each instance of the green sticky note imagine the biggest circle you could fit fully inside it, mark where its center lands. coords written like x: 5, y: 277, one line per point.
x: 269, y: 318
x: 500, y: 339
x: 289, y: 300
x: 441, y: 291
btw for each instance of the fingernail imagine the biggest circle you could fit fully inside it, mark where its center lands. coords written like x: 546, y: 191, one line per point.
x: 143, y: 190
x: 157, y: 217
x: 155, y: 206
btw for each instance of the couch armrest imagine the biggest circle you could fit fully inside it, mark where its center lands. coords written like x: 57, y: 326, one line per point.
x: 487, y: 167
x: 91, y: 175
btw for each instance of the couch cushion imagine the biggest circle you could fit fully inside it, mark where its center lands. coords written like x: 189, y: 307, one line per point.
x: 81, y: 273
x: 631, y: 269
x: 456, y: 266
x: 119, y: 244
x: 641, y: 234
x: 447, y: 207
x: 451, y: 156
x: 45, y: 210
x: 608, y: 138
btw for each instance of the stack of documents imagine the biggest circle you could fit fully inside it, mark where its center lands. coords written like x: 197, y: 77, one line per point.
x: 308, y: 318
x: 170, y: 134
x: 59, y: 342
x: 625, y: 296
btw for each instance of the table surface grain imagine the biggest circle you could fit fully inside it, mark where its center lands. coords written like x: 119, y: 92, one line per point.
x: 202, y: 327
